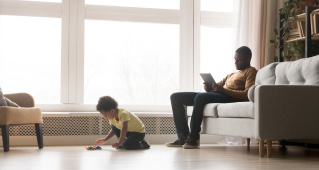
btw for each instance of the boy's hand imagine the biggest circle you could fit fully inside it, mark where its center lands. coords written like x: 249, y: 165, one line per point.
x: 218, y: 88
x: 116, y: 145
x: 100, y: 141
x: 208, y: 87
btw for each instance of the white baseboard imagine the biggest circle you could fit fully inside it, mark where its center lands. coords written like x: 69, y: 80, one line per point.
x: 90, y: 140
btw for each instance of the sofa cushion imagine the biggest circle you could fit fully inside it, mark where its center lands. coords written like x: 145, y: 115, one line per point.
x: 210, y: 110
x: 19, y: 115
x: 266, y: 75
x: 301, y: 72
x: 239, y: 109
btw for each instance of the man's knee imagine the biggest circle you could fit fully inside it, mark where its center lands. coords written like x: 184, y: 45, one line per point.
x: 203, y: 97
x: 175, y: 96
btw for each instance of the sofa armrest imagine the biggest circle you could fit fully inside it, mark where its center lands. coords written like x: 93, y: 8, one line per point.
x: 287, y: 111
x: 15, y: 115
x: 22, y: 99
x: 251, y: 93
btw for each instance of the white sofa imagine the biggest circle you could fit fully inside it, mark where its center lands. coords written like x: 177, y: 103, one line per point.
x: 284, y: 104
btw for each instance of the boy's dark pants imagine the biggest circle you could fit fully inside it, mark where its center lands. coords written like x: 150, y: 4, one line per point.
x: 132, y: 140
x: 198, y: 100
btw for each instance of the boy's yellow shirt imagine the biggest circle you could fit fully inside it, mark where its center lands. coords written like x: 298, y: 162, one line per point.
x: 134, y: 123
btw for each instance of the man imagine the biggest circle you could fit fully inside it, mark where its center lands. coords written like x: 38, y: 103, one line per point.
x: 233, y: 88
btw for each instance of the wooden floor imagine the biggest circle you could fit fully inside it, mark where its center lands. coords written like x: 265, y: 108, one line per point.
x: 159, y: 157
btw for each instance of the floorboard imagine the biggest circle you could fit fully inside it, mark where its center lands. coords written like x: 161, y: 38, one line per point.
x: 159, y: 157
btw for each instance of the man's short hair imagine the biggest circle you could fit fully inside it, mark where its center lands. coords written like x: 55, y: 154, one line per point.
x: 106, y: 103
x: 244, y: 51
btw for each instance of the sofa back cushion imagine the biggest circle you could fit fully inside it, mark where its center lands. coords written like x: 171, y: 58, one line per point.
x: 266, y: 75
x: 301, y: 72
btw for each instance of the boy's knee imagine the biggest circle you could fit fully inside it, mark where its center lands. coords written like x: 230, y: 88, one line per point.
x: 126, y: 146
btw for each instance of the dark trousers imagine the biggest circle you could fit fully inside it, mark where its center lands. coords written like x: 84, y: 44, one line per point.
x: 132, y: 140
x: 198, y: 100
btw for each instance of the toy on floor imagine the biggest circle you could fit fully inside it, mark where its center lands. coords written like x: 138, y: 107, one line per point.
x: 93, y: 147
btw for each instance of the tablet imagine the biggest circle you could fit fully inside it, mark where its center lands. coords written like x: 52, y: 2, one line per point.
x: 208, y: 78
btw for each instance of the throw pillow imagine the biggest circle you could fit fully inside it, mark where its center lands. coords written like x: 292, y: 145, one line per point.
x: 11, y: 103
x: 2, y: 99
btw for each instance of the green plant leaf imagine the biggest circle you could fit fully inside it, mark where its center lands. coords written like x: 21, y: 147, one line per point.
x: 272, y: 41
x: 287, y: 30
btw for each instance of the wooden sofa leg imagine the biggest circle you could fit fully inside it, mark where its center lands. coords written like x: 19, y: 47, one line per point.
x: 38, y: 130
x: 248, y: 143
x: 269, y: 148
x: 261, y: 148
x: 5, y: 137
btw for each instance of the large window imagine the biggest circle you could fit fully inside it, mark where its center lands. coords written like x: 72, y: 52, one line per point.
x: 137, y: 63
x: 68, y: 53
x: 30, y: 57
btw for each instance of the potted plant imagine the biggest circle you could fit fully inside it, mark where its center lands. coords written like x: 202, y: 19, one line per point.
x: 289, y: 13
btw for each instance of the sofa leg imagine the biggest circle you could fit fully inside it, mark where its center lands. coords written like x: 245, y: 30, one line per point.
x: 261, y: 148
x: 283, y: 144
x: 248, y: 143
x: 38, y: 130
x: 5, y: 137
x: 269, y: 148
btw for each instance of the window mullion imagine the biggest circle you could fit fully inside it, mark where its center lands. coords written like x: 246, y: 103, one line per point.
x: 80, y: 52
x: 197, y: 22
x: 65, y: 52
x: 72, y: 59
x: 186, y: 69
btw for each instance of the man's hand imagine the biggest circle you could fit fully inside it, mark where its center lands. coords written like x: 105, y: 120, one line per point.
x: 116, y: 145
x: 208, y: 87
x: 100, y: 141
x: 218, y: 88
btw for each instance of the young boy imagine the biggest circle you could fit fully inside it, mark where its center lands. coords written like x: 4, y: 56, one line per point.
x: 127, y: 127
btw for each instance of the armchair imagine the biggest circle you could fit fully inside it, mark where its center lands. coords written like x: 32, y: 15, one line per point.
x: 15, y: 116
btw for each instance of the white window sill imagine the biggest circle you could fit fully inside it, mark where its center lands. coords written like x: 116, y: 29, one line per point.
x: 74, y: 114
x: 91, y: 108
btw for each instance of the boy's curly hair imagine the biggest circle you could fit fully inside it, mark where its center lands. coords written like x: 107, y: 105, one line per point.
x: 106, y: 103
